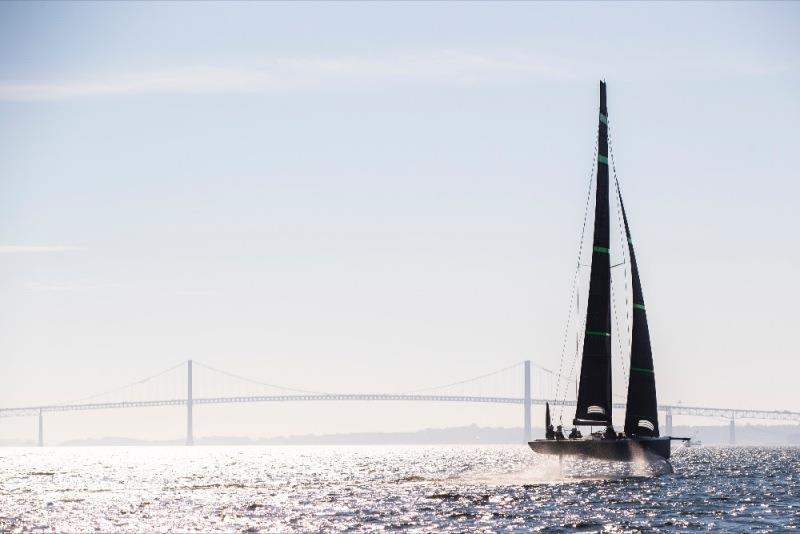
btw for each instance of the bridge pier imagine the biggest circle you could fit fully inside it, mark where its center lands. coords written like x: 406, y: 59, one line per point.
x: 41, y: 429
x: 189, y: 430
x: 732, y: 433
x: 669, y: 421
x: 527, y: 403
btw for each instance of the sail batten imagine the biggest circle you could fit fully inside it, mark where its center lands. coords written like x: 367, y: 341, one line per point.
x: 594, y: 391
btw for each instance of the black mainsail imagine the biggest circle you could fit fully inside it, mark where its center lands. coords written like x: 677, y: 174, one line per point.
x: 641, y: 416
x: 594, y: 391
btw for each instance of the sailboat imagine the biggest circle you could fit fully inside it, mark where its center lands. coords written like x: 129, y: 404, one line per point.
x: 594, y: 406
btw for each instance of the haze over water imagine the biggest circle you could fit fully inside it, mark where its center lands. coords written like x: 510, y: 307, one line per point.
x: 422, y: 488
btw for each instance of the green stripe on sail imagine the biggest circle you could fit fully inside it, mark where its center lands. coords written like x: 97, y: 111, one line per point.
x: 602, y: 159
x: 604, y: 119
x: 640, y: 370
x: 604, y: 250
x: 640, y: 306
x: 596, y: 333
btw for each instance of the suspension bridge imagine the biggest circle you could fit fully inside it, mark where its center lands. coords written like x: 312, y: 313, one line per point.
x: 149, y: 393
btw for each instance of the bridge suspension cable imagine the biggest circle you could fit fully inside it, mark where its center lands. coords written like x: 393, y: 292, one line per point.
x: 126, y: 386
x: 466, y: 381
x: 252, y: 381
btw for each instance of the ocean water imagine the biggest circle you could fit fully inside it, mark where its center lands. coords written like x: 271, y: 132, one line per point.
x: 417, y: 488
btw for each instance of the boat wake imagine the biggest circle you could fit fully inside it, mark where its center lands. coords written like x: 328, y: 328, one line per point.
x: 571, y: 470
x: 646, y: 462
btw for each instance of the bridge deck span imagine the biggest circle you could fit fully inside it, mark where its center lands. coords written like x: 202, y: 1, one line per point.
x: 674, y: 409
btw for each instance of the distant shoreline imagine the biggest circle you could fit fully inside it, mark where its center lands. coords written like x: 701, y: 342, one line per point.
x: 778, y: 435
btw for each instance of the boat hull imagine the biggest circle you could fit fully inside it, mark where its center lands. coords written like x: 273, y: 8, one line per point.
x: 620, y: 450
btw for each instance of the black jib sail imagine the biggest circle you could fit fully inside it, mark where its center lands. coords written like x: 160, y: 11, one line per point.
x: 594, y: 392
x: 641, y: 416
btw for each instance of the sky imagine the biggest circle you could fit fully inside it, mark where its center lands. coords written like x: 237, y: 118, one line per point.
x: 383, y: 197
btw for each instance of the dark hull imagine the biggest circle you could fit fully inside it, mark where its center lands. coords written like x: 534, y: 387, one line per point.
x: 620, y: 450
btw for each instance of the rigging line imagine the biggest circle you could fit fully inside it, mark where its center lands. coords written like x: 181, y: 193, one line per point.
x: 467, y: 380
x: 575, y: 278
x: 232, y: 375
x: 625, y: 255
x: 571, y: 372
x: 625, y: 244
x: 619, y: 343
x: 575, y: 288
x: 119, y: 388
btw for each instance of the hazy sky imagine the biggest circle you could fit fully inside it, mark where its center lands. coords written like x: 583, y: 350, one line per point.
x: 383, y: 197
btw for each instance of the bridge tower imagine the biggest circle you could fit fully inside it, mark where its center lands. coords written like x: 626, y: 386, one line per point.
x: 41, y: 429
x: 189, y: 431
x: 669, y: 421
x: 527, y: 422
x: 732, y: 433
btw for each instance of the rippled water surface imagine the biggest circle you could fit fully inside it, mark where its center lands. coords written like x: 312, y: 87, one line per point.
x: 436, y: 488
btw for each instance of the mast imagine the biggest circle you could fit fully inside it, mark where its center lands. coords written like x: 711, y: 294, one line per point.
x: 594, y: 392
x: 641, y: 417
x: 546, y: 415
